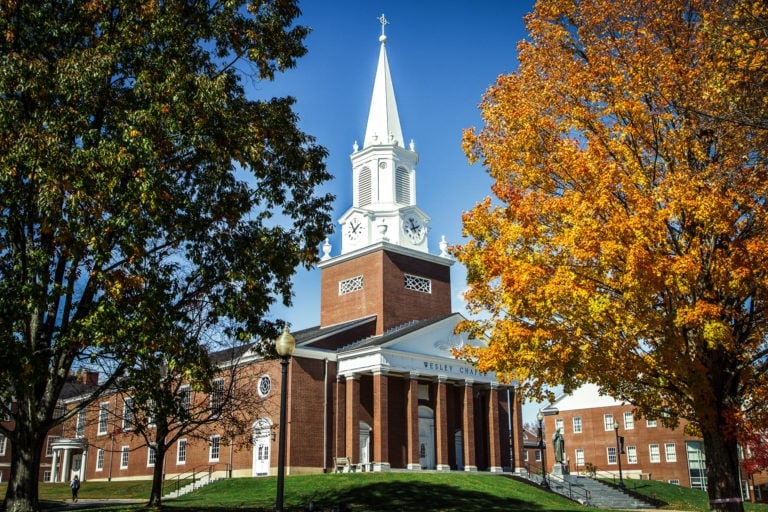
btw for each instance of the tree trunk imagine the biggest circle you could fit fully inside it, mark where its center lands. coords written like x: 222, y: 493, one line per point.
x: 26, y: 449
x: 156, y: 496
x: 722, y: 464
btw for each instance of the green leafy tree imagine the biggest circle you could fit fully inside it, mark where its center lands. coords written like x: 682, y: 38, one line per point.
x: 627, y: 241
x: 128, y: 146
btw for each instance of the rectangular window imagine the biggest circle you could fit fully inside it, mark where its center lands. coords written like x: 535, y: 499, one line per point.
x: 215, y: 443
x: 608, y: 422
x: 629, y: 421
x: 80, y: 425
x: 631, y: 454
x: 525, y: 455
x: 2, y: 444
x: 128, y: 414
x: 538, y: 455
x: 674, y: 481
x: 100, y: 459
x: 560, y: 425
x: 49, y: 446
x: 151, y: 456
x: 217, y: 397
x: 579, y: 457
x: 577, y: 425
x: 181, y: 451
x: 670, y: 453
x: 184, y: 398
x: 612, y: 455
x: 103, y: 418
x: 650, y: 423
x: 151, y: 412
x: 124, y: 457
x: 46, y: 476
x: 654, y: 452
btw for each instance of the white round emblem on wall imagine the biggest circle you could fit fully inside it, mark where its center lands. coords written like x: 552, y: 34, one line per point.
x: 265, y: 385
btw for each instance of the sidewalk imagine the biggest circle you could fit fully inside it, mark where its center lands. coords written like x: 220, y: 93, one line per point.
x: 89, y: 504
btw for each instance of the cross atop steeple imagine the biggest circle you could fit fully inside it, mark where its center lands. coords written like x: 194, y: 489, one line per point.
x: 384, y: 22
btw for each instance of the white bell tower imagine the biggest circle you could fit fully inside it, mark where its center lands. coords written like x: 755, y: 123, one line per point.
x: 384, y: 176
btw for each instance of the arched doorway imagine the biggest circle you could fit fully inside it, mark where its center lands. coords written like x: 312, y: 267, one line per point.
x: 426, y: 437
x: 262, y: 441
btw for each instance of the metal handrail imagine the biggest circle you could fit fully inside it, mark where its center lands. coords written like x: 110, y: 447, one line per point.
x: 194, y: 472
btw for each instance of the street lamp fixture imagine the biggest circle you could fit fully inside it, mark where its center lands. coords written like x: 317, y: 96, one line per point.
x: 284, y: 346
x: 619, y: 451
x: 544, y: 483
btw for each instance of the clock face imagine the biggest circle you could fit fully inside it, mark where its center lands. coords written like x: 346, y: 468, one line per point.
x: 354, y: 228
x: 414, y: 228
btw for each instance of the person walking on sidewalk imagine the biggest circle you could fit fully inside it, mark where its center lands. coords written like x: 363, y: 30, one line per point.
x: 75, y: 486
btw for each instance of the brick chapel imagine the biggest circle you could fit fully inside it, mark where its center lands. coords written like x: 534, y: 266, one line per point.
x: 375, y: 382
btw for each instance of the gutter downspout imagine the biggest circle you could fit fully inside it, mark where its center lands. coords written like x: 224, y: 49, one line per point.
x: 325, y: 414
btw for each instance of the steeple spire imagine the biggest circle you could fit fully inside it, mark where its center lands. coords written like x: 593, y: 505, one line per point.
x: 383, y: 120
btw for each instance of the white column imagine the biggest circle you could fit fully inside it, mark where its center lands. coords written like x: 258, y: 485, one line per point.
x: 65, y: 461
x: 55, y: 466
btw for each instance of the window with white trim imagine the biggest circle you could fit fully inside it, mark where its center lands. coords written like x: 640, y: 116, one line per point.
x: 608, y: 422
x: 103, y: 418
x: 181, y: 451
x: 611, y: 451
x: 215, y: 445
x: 49, y: 446
x: 80, y: 424
x: 350, y: 285
x: 100, y: 459
x: 577, y: 427
x: 629, y: 420
x: 128, y: 413
x: 653, y: 449
x: 631, y: 454
x: 418, y: 284
x: 560, y: 425
x: 124, y: 451
x: 579, y: 457
x: 670, y: 452
x: 650, y: 423
x: 217, y: 396
x: 46, y: 476
x: 525, y: 455
x: 537, y: 455
x: 184, y: 400
x: 674, y: 481
x: 151, y: 456
x: 3, y: 442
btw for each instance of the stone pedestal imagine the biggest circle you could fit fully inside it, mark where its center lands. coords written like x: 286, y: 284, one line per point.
x: 560, y: 469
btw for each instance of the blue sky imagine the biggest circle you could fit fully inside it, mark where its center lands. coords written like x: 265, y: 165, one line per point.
x: 443, y: 56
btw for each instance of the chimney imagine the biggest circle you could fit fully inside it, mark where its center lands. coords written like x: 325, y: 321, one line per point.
x: 91, y: 378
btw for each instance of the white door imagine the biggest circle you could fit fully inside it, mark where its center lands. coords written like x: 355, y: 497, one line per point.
x: 365, y: 443
x: 262, y: 437
x: 426, y: 437
x: 77, y: 461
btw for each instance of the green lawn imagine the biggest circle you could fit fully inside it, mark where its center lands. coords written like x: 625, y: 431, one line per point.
x: 375, y: 492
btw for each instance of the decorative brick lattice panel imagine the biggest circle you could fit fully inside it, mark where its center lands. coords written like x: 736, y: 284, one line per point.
x: 350, y: 285
x: 419, y: 284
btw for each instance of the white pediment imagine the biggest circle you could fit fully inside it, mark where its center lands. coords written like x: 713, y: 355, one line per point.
x: 425, y: 351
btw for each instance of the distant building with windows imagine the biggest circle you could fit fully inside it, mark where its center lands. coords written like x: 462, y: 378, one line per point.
x: 588, y: 421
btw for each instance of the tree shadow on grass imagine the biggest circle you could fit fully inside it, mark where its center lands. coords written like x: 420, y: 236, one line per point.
x: 395, y: 497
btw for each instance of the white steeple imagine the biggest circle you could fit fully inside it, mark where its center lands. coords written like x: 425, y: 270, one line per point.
x: 383, y: 121
x: 384, y: 208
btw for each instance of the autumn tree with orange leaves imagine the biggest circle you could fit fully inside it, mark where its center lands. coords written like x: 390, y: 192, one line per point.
x: 627, y: 240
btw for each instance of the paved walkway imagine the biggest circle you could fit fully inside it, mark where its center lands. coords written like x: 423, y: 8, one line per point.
x: 90, y: 503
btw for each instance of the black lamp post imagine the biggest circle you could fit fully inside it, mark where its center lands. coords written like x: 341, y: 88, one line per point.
x: 544, y: 483
x: 619, y: 451
x: 284, y: 346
